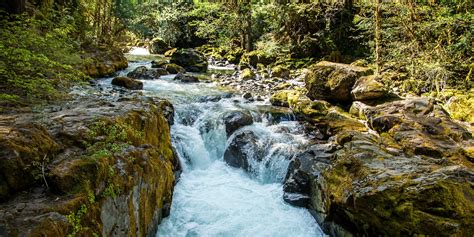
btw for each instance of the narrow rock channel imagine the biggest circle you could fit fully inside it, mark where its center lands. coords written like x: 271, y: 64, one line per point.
x: 213, y: 198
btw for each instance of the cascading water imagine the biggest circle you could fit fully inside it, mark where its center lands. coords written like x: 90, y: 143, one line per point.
x: 212, y: 198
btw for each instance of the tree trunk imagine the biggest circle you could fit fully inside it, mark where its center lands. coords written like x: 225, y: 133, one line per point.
x: 378, y: 36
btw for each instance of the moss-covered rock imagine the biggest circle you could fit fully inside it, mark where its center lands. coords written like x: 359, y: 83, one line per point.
x: 280, y: 71
x: 333, y: 81
x: 410, y: 176
x: 368, y: 88
x: 158, y: 46
x: 103, y: 62
x: 190, y: 59
x: 109, y: 168
x: 255, y: 57
x: 247, y: 74
x: 285, y: 98
x: 170, y: 52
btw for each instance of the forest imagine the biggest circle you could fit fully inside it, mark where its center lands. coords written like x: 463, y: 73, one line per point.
x: 340, y: 117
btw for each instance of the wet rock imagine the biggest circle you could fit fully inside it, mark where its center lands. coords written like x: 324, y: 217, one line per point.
x: 128, y: 83
x: 170, y: 52
x: 247, y: 96
x: 174, y: 69
x: 190, y: 59
x: 158, y: 46
x: 186, y: 78
x: 158, y: 63
x: 235, y: 120
x: 368, y: 88
x: 243, y: 147
x: 333, y: 81
x: 144, y: 73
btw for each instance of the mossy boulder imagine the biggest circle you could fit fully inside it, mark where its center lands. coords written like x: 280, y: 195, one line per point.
x: 103, y: 62
x: 280, y: 71
x: 368, y: 88
x: 186, y: 78
x: 410, y: 175
x: 333, y: 81
x: 128, y: 83
x: 109, y: 167
x: 247, y: 74
x: 159, y: 63
x: 174, y: 69
x: 285, y: 98
x: 158, y: 46
x: 190, y: 59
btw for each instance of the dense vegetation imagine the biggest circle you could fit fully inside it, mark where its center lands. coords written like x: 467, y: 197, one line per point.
x: 424, y: 47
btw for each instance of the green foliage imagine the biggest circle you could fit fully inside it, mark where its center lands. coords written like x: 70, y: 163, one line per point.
x: 75, y: 220
x: 37, y: 58
x: 432, y: 45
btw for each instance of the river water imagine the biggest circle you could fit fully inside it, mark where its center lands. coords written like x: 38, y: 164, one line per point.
x: 212, y: 198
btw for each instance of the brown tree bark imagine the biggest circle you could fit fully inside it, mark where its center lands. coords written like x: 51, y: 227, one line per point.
x: 378, y: 35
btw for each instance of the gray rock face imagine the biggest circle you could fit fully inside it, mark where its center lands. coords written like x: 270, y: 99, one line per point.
x: 243, y: 147
x: 148, y: 74
x: 128, y: 83
x: 190, y: 59
x: 236, y: 120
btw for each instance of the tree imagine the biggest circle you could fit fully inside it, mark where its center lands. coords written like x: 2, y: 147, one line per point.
x: 378, y: 26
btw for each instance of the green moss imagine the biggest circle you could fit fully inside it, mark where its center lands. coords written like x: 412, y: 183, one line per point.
x: 247, y: 74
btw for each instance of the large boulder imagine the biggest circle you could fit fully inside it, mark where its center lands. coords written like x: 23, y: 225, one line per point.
x: 235, y: 120
x: 242, y: 148
x: 158, y: 46
x: 128, y: 83
x: 95, y: 167
x: 143, y: 72
x: 280, y: 71
x: 368, y: 88
x: 411, y: 175
x: 190, y: 59
x: 333, y: 81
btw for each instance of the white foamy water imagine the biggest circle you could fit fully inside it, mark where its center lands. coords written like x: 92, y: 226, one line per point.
x: 139, y: 51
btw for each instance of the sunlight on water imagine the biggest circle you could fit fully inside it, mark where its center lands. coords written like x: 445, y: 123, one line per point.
x: 139, y: 51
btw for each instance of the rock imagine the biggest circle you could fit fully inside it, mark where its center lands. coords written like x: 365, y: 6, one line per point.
x: 235, y: 120
x: 109, y: 166
x: 158, y: 63
x: 144, y: 73
x: 284, y: 98
x: 186, y: 78
x: 247, y: 96
x: 368, y: 88
x: 103, y: 62
x: 280, y: 71
x: 255, y: 57
x: 158, y: 46
x: 170, y: 52
x: 413, y: 171
x: 332, y: 81
x: 128, y: 83
x: 190, y: 59
x: 247, y: 74
x: 244, y: 146
x: 174, y: 69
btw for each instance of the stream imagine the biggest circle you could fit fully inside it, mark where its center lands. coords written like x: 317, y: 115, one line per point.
x: 211, y: 198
